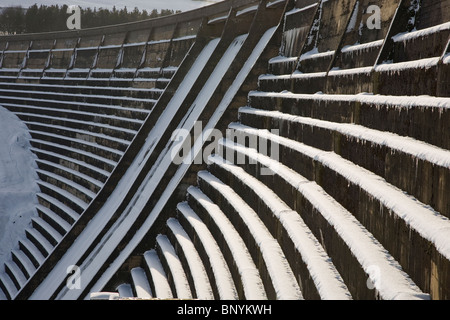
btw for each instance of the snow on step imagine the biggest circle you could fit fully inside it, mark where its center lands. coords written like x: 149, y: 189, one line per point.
x: 79, y: 123
x: 283, y: 279
x: 24, y: 261
x: 79, y: 95
x: 202, y: 286
x: 141, y: 284
x: 36, y: 236
x: 430, y: 224
x: 83, y: 176
x: 68, y: 211
x: 90, y: 194
x: 282, y: 59
x: 94, y: 261
x: 327, y: 279
x: 369, y: 252
x: 80, y: 87
x: 405, y: 36
x: 394, y: 101
x: 56, y: 236
x: 80, y: 141
x: 411, y: 146
x: 178, y: 275
x: 125, y: 291
x: 67, y: 195
x: 103, y: 296
x: 31, y: 250
x: 158, y: 275
x: 53, y: 216
x: 250, y: 277
x: 82, y: 133
x: 362, y: 46
x: 187, y: 123
x: 8, y: 284
x: 71, y: 160
x: 75, y: 112
x: 294, y: 75
x: 416, y: 64
x: 222, y: 274
x: 77, y: 151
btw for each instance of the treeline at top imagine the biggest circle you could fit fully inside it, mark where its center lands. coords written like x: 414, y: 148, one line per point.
x: 16, y: 20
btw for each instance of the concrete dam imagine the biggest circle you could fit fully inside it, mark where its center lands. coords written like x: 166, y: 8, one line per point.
x: 251, y: 149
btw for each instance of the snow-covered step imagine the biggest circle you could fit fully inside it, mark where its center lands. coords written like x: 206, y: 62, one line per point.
x: 419, y: 117
x: 64, y: 211
x: 158, y: 276
x: 195, y: 265
x: 251, y: 286
x: 427, y: 225
x: 3, y: 296
x: 87, y: 182
x: 54, y: 220
x: 315, y: 61
x: 64, y: 197
x: 96, y: 127
x: 297, y: 82
x: 78, y: 133
x: 422, y: 43
x: 178, y: 275
x: 23, y: 262
x: 361, y: 244
x: 67, y: 162
x: 68, y: 185
x: 7, y: 286
x: 116, y: 200
x: 103, y: 103
x: 46, y: 230
x: 16, y: 275
x: 77, y: 154
x: 223, y: 279
x: 79, y: 144
x: 39, y: 241
x: 121, y: 92
x: 284, y: 283
x: 280, y: 65
x: 358, y: 55
x: 377, y: 151
x: 32, y: 252
x: 140, y: 283
x: 125, y: 291
x: 326, y: 280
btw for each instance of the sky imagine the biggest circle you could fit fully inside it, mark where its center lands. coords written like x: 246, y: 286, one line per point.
x: 183, y: 5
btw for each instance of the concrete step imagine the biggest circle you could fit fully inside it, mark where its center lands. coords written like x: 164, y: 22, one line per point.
x: 369, y: 197
x: 278, y: 278
x: 421, y: 118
